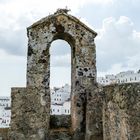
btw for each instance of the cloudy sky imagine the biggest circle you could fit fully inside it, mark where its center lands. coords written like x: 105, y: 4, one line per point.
x: 117, y: 44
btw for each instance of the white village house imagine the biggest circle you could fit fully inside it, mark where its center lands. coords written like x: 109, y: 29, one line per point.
x: 5, y: 111
x: 60, y: 100
x: 122, y: 77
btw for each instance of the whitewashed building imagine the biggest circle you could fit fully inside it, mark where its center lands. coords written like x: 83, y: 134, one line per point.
x: 5, y: 112
x: 128, y: 77
x: 60, y: 100
x: 61, y: 109
x: 60, y: 95
x: 56, y: 109
x: 122, y: 77
x: 5, y: 101
x: 66, y: 108
x: 107, y: 80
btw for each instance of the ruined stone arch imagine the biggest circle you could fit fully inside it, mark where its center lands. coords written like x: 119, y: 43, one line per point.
x: 41, y: 34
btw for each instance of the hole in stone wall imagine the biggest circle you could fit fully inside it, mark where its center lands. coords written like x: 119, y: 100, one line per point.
x: 60, y: 77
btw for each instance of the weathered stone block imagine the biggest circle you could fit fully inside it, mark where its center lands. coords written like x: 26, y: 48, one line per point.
x: 121, y: 112
x: 29, y: 117
x: 60, y: 121
x: 4, y: 133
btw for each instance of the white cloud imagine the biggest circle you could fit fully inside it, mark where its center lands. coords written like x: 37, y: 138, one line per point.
x: 114, y: 69
x: 12, y: 72
x: 60, y: 54
x: 60, y: 76
x: 118, y: 45
x: 61, y: 61
x: 17, y: 15
x: 17, y: 8
x: 133, y: 61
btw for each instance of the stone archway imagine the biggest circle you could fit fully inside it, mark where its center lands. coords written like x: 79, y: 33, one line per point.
x: 35, y: 110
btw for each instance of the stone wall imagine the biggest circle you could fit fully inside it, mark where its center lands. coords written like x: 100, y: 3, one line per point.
x: 121, y: 112
x: 60, y: 121
x: 60, y: 127
x: 31, y: 105
x: 29, y: 120
x: 94, y: 128
x: 4, y: 133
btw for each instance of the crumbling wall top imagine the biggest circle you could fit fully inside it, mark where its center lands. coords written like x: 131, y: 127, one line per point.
x: 63, y: 12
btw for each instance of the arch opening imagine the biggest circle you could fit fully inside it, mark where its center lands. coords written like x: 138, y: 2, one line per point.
x: 66, y: 38
x: 60, y: 77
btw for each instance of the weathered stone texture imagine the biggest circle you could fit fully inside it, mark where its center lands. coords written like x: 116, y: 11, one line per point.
x: 94, y: 128
x: 4, y: 133
x: 36, y: 96
x: 60, y: 121
x: 60, y: 134
x: 29, y: 119
x: 121, y: 112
